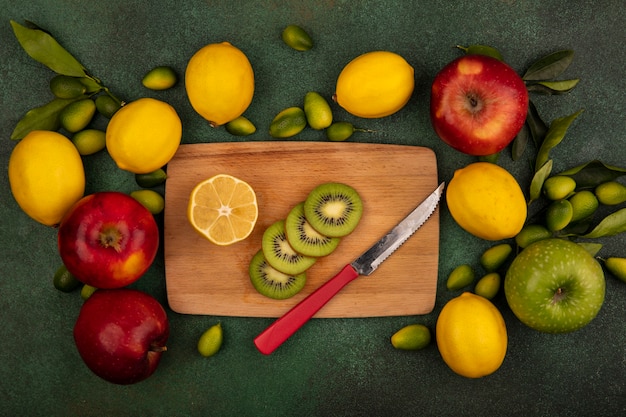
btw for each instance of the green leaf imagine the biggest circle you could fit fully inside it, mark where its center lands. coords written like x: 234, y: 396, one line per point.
x: 520, y: 142
x: 43, y: 48
x: 482, y: 50
x: 591, y: 247
x: 550, y: 66
x: 538, y: 179
x: 593, y: 173
x: 611, y: 225
x: 45, y: 117
x: 537, y: 126
x: 553, y: 87
x: 554, y: 136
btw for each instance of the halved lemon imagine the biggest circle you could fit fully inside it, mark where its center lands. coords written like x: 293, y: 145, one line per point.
x: 223, y: 209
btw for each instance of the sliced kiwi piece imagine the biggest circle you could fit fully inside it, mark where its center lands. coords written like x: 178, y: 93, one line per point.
x: 272, y: 283
x: 303, y: 238
x: 333, y: 209
x: 279, y: 253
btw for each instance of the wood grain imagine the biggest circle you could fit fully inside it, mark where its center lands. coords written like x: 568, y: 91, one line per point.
x: 203, y: 278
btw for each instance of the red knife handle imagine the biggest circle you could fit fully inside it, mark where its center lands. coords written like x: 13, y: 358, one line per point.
x: 279, y: 331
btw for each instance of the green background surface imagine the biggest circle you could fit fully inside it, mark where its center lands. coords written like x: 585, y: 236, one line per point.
x: 332, y: 367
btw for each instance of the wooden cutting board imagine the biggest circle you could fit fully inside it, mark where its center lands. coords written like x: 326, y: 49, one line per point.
x: 203, y: 278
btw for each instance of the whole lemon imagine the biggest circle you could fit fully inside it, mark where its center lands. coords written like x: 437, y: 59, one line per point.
x: 487, y: 201
x: 143, y: 135
x: 219, y: 81
x: 46, y: 175
x: 375, y: 84
x: 471, y: 336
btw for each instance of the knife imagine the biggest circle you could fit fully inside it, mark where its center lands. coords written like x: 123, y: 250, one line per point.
x: 282, y: 329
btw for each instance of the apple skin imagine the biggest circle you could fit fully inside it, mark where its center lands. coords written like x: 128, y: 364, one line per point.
x: 121, y: 334
x: 108, y: 240
x: 478, y: 104
x: 555, y: 286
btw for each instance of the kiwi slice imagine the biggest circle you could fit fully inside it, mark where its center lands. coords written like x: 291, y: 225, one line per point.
x: 279, y: 253
x: 333, y: 209
x: 272, y: 283
x: 303, y: 238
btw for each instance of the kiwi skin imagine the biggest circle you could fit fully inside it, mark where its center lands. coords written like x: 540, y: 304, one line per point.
x: 272, y: 283
x: 303, y: 238
x: 333, y: 209
x: 279, y: 253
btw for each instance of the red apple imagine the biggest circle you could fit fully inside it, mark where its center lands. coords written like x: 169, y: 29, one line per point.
x: 108, y: 240
x: 478, y: 104
x: 120, y: 335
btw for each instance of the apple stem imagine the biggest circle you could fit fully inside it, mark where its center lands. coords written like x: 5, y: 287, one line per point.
x: 155, y: 348
x: 558, y: 295
x: 111, y: 238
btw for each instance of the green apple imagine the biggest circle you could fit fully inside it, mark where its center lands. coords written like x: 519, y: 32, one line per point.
x: 555, y: 286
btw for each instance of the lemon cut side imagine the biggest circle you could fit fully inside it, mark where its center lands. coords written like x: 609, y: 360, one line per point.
x: 223, y: 209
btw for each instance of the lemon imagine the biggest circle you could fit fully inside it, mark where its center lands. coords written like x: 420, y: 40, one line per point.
x: 223, y: 209
x: 77, y: 115
x: 219, y: 81
x: 584, y: 204
x: 411, y: 337
x: 487, y: 201
x: 617, y: 267
x: 375, y: 84
x: 160, y: 78
x: 46, y: 175
x: 471, y: 336
x: 143, y: 135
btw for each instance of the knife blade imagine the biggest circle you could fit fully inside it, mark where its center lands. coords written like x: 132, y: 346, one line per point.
x: 285, y: 326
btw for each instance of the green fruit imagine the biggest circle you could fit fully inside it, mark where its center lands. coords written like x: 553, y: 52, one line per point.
x: 150, y: 199
x: 584, y: 204
x: 461, y: 276
x: 64, y: 280
x: 494, y: 257
x: 555, y: 286
x: 488, y: 286
x: 297, y: 38
x: 558, y: 187
x: 160, y: 78
x: 411, y: 337
x: 531, y: 233
x: 211, y: 341
x: 617, y: 267
x: 77, y: 115
x: 611, y: 193
x: 86, y: 291
x: 288, y: 122
x: 151, y: 179
x: 558, y: 215
x: 340, y: 131
x: 107, y: 105
x: 64, y: 86
x: 317, y: 111
x: 89, y: 141
x: 240, y: 126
